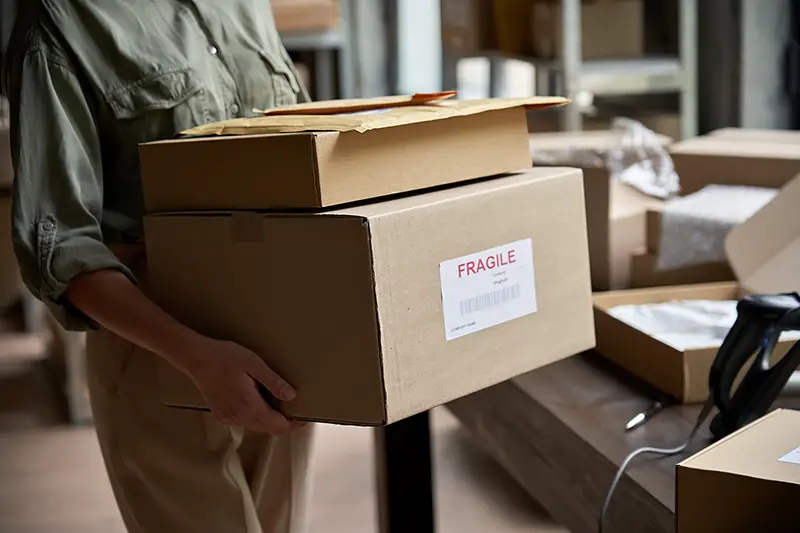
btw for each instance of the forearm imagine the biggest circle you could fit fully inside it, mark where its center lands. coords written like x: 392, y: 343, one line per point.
x: 109, y: 298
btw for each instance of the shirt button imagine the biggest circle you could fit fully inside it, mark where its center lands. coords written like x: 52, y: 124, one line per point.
x: 212, y: 50
x: 49, y: 226
x: 234, y: 109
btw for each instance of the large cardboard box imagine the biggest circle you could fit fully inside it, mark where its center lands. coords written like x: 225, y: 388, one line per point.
x: 380, y: 311
x: 467, y: 27
x: 610, y: 28
x: 749, y: 481
x: 302, y: 16
x: 615, y: 210
x: 757, y: 135
x: 330, y: 153
x: 735, y: 159
x: 764, y: 254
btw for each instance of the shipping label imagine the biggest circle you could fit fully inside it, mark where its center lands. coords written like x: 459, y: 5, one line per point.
x: 487, y: 288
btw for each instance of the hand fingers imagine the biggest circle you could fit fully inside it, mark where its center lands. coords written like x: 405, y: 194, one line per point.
x: 275, y: 384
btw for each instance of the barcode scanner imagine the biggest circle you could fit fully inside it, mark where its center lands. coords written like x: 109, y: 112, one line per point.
x: 760, y: 321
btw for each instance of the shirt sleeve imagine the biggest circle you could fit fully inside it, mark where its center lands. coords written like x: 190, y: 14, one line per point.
x: 58, y: 186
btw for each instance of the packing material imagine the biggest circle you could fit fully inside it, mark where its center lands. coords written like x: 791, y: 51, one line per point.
x: 378, y: 311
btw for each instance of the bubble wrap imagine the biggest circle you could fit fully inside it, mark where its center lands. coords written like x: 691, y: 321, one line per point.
x: 638, y: 159
x: 694, y: 227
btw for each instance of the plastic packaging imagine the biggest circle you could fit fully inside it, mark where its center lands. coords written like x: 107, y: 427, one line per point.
x: 638, y: 158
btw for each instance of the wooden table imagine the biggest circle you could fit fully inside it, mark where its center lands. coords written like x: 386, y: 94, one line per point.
x: 559, y: 432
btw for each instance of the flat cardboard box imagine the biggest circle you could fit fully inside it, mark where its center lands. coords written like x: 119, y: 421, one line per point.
x: 467, y: 27
x: 733, y: 161
x: 349, y: 305
x: 302, y: 16
x: 749, y: 481
x: 644, y: 273
x: 764, y: 254
x: 615, y: 211
x: 610, y: 28
x: 331, y: 153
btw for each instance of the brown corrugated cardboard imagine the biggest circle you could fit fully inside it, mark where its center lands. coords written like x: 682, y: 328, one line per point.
x: 764, y: 253
x: 615, y: 211
x: 734, y: 161
x: 757, y: 135
x: 467, y: 27
x: 293, y: 16
x: 349, y: 305
x: 337, y: 157
x: 749, y: 481
x: 644, y: 273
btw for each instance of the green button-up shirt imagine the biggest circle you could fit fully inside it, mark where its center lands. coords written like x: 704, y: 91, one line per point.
x: 102, y: 76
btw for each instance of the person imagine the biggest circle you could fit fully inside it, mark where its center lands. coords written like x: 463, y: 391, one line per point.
x: 87, y: 81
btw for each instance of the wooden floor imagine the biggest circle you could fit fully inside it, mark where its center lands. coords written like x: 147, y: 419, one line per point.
x: 52, y: 481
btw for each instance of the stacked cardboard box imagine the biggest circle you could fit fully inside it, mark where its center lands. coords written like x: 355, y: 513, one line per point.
x: 367, y: 256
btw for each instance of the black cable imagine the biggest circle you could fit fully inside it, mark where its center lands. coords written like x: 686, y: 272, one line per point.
x: 701, y: 418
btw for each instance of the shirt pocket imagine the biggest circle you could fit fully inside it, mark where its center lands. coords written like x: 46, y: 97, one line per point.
x: 160, y: 105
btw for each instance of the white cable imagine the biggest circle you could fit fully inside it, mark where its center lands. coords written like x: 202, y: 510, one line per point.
x: 648, y: 449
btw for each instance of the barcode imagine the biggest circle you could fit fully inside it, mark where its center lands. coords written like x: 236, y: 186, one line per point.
x: 489, y: 299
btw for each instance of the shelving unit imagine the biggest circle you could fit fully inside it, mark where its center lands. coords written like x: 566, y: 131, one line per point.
x: 582, y: 81
x: 328, y: 46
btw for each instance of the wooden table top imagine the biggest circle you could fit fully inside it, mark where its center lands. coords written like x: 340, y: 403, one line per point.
x: 560, y: 432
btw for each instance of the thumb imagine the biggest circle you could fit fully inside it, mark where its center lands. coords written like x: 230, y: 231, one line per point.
x: 275, y: 384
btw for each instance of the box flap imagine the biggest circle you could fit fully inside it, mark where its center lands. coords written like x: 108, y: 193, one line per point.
x: 764, y: 252
x: 728, y: 147
x: 356, y: 105
x: 384, y: 116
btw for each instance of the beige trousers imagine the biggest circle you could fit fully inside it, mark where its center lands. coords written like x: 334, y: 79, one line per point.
x: 180, y: 471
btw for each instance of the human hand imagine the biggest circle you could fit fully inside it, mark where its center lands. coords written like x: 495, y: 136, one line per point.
x: 228, y: 375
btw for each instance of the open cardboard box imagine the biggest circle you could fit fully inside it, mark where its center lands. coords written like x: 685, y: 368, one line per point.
x: 764, y: 253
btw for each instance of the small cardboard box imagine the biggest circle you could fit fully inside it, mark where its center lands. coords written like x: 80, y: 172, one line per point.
x: 749, y: 481
x: 615, y: 211
x: 300, y: 16
x: 384, y: 310
x: 732, y: 159
x: 764, y: 254
x: 330, y: 153
x: 644, y: 273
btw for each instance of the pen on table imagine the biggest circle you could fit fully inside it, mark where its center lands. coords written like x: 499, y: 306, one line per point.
x: 645, y: 415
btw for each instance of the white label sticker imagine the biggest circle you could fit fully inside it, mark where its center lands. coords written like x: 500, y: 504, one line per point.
x: 791, y: 457
x: 487, y: 288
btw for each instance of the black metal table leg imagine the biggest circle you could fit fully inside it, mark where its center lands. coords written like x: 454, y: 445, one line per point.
x: 405, y: 476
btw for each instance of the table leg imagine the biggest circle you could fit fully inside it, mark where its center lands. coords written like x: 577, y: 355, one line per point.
x: 405, y: 476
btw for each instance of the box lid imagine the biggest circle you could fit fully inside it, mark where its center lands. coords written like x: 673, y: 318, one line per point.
x: 764, y: 251
x: 367, y: 114
x: 720, y: 145
x: 766, y: 449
